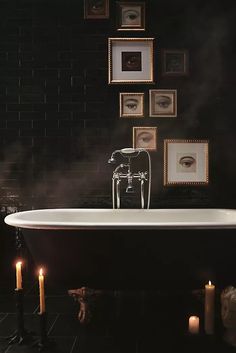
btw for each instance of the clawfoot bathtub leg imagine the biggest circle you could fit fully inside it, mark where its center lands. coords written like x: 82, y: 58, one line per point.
x: 85, y: 296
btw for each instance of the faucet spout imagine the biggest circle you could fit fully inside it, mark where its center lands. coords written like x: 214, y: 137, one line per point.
x: 129, y: 189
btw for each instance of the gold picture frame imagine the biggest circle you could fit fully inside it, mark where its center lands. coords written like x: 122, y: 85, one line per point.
x: 130, y: 16
x: 163, y: 103
x: 130, y: 60
x: 96, y: 9
x: 186, y: 162
x: 131, y: 105
x: 145, y: 137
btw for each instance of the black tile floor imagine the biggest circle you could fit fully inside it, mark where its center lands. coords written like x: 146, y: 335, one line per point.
x: 123, y: 322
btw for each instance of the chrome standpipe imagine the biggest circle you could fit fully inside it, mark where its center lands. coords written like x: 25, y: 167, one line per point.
x: 123, y: 172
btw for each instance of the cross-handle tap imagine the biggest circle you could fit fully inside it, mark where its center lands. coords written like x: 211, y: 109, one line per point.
x: 120, y: 173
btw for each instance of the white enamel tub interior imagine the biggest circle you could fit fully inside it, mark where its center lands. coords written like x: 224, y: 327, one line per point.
x: 123, y: 219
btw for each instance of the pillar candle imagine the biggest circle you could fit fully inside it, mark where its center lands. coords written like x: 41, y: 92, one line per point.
x: 18, y: 275
x: 193, y: 324
x: 209, y: 308
x: 41, y: 291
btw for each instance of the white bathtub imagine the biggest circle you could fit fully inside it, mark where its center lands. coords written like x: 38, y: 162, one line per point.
x: 130, y: 248
x: 123, y: 219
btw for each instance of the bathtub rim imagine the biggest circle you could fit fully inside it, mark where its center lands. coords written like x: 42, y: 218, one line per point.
x: 15, y: 220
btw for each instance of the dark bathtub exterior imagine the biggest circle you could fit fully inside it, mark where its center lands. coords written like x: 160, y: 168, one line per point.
x: 117, y: 259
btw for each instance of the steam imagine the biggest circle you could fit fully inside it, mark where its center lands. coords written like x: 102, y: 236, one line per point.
x: 207, y: 72
x: 15, y: 162
x: 25, y: 184
x: 206, y: 33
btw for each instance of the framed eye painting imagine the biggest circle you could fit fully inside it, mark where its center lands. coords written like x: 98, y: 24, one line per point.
x: 162, y: 103
x: 186, y: 162
x: 130, y: 60
x: 130, y: 16
x: 145, y: 137
x: 131, y: 105
x: 96, y: 9
x: 175, y: 62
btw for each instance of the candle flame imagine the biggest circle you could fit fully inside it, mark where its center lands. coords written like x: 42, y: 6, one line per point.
x: 18, y: 264
x: 209, y: 283
x: 41, y: 272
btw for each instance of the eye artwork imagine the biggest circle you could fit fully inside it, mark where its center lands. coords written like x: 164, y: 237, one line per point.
x: 96, y: 9
x: 131, y: 104
x: 131, y: 61
x: 96, y: 6
x: 162, y: 102
x: 145, y: 138
x: 131, y: 16
x: 186, y: 163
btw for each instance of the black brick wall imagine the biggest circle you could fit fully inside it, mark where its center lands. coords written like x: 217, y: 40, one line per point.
x: 59, y: 119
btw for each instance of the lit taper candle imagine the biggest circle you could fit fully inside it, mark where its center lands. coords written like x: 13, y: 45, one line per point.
x: 18, y: 275
x: 209, y: 308
x: 41, y: 292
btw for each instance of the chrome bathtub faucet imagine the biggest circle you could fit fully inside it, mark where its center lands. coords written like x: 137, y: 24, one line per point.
x: 124, y: 172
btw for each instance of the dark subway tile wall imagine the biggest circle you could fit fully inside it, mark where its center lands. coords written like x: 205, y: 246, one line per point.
x: 59, y: 118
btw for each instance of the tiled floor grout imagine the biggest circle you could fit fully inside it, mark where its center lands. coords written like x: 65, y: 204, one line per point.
x: 7, y: 349
x: 4, y: 317
x: 109, y: 333
x: 73, y: 345
x: 53, y: 324
x: 36, y: 309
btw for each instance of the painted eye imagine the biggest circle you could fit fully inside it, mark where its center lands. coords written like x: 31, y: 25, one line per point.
x: 130, y: 16
x: 131, y: 104
x: 163, y: 101
x: 144, y: 138
x: 132, y: 62
x: 187, y: 161
x: 96, y: 5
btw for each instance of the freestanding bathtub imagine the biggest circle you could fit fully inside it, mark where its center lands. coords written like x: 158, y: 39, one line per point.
x: 104, y: 248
